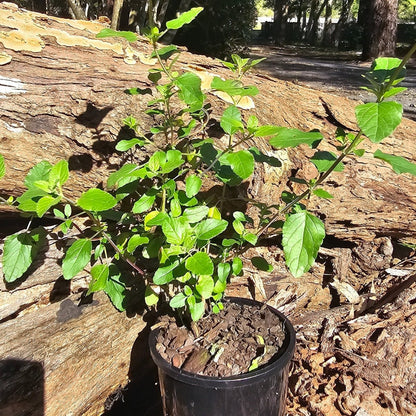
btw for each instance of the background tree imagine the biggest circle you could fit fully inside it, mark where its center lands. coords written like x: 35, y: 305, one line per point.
x: 379, y: 20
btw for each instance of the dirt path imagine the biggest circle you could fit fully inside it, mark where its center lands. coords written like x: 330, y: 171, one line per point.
x: 341, y: 75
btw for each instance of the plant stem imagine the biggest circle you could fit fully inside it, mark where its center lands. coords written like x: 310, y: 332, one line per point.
x: 348, y: 150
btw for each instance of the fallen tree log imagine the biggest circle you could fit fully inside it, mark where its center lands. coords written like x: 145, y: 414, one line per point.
x: 62, y: 96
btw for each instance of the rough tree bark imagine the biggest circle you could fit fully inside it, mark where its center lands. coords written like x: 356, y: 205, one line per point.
x: 115, y: 19
x: 380, y: 28
x: 62, y: 99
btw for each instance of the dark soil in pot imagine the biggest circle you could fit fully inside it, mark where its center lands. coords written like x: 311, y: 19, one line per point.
x: 239, y: 338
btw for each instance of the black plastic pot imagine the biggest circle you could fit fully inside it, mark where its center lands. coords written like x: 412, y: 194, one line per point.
x: 261, y: 392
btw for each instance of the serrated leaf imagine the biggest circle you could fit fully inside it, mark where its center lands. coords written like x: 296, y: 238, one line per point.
x: 164, y: 274
x: 205, y: 286
x: 76, y: 258
x: 190, y: 92
x: 96, y: 200
x: 39, y: 172
x: 321, y: 193
x: 399, y: 164
x: 184, y: 18
x: 124, y: 145
x: 231, y: 120
x: 378, y: 120
x: 233, y: 88
x: 303, y: 234
x: 192, y: 185
x: 99, y: 274
x: 323, y: 160
x: 19, y: 252
x: 106, y: 33
x: 287, y: 137
x: 241, y: 162
x: 200, y: 263
x: 210, y: 228
x: 59, y: 173
x: 2, y: 167
x: 178, y: 301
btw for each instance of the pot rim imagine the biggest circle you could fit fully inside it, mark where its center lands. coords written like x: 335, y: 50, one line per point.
x: 279, y: 363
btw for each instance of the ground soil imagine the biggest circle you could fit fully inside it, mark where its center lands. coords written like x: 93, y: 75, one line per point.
x: 239, y: 338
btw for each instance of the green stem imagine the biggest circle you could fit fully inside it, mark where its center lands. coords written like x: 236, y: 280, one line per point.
x: 347, y: 151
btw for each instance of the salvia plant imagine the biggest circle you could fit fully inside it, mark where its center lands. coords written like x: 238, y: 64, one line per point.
x: 155, y: 216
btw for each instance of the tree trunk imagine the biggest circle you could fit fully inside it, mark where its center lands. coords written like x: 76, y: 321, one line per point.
x: 77, y: 10
x: 380, y: 29
x: 280, y: 20
x: 63, y: 99
x: 115, y: 19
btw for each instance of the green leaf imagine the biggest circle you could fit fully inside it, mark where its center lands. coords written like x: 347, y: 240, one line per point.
x: 223, y: 271
x: 124, y: 145
x: 189, y: 85
x: 184, y: 18
x: 197, y: 308
x: 45, y: 203
x: 323, y: 160
x: 2, y: 167
x: 287, y: 137
x: 231, y: 120
x: 241, y: 162
x: 303, y: 234
x: 178, y: 301
x: 39, y: 172
x: 193, y: 184
x: 128, y: 170
x: 261, y: 264
x: 267, y: 131
x: 99, y: 274
x: 378, y: 120
x: 145, y: 202
x: 205, y: 286
x: 238, y: 227
x: 76, y: 258
x: 233, y: 88
x: 210, y: 228
x: 19, y: 252
x: 164, y: 274
x: 200, y: 263
x: 105, y: 33
x: 195, y: 214
x: 394, y: 91
x: 321, y: 193
x: 150, y: 296
x: 251, y: 238
x: 237, y: 265
x: 398, y: 163
x: 383, y: 68
x: 166, y: 52
x: 136, y: 241
x: 96, y: 200
x: 173, y: 161
x: 59, y: 173
x: 116, y: 289
x: 175, y: 208
x: 174, y: 230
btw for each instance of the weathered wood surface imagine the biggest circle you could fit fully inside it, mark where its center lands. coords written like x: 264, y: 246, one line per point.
x: 62, y: 97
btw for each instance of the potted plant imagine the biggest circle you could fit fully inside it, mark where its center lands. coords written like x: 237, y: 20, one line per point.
x: 167, y: 216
